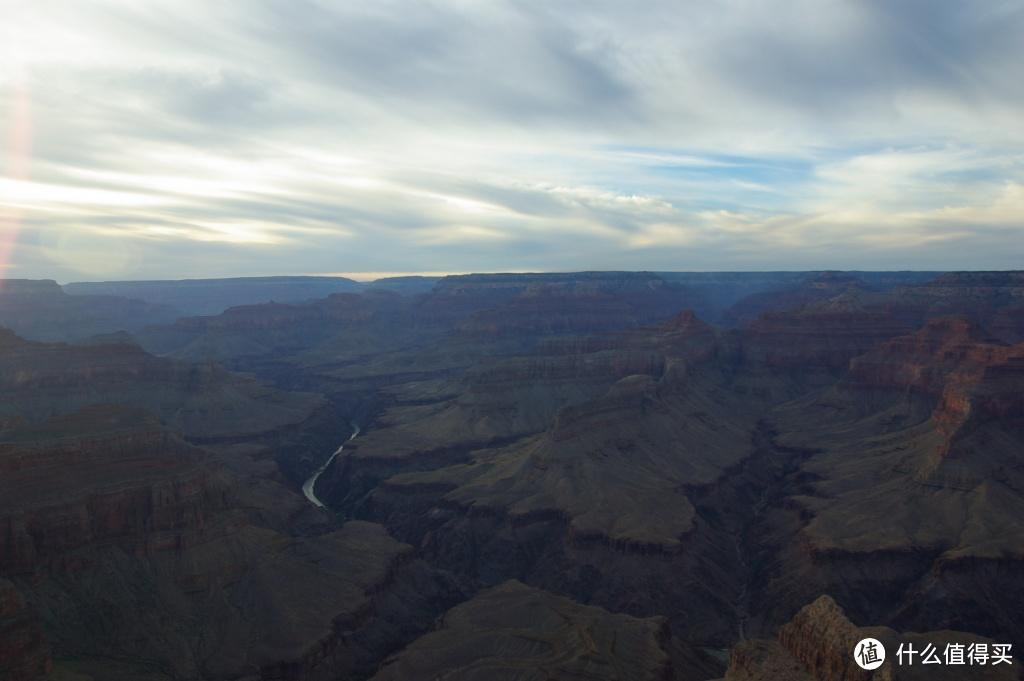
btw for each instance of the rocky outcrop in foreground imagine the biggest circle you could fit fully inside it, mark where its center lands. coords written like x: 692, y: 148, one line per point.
x: 818, y: 644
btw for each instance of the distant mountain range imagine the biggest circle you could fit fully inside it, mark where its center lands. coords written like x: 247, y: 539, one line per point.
x: 213, y: 296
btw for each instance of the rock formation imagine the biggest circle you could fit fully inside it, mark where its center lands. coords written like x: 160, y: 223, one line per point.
x: 819, y: 644
x: 915, y: 483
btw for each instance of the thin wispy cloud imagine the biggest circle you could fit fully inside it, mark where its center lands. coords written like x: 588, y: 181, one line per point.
x: 205, y: 139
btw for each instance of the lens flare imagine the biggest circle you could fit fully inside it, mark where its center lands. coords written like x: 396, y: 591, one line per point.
x: 16, y: 166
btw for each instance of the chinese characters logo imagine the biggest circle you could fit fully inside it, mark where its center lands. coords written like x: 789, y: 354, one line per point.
x: 869, y: 653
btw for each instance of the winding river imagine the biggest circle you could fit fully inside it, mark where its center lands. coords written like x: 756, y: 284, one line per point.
x: 309, y: 487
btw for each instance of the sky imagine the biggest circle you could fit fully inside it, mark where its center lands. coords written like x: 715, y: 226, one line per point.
x: 188, y: 138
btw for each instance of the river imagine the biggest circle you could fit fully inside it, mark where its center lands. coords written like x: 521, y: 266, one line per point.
x: 309, y: 487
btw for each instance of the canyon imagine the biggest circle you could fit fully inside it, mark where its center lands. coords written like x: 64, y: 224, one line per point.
x: 597, y: 475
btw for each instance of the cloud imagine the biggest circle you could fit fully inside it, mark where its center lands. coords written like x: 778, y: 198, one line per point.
x: 206, y: 139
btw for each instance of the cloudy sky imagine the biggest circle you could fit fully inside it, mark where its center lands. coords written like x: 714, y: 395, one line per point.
x: 167, y: 139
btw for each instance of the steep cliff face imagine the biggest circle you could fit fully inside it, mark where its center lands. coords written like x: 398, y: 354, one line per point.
x: 948, y: 377
x: 24, y: 652
x: 812, y: 288
x: 924, y: 360
x: 101, y: 475
x: 826, y: 321
x: 993, y: 300
x: 973, y: 379
x: 824, y: 336
x: 926, y: 426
